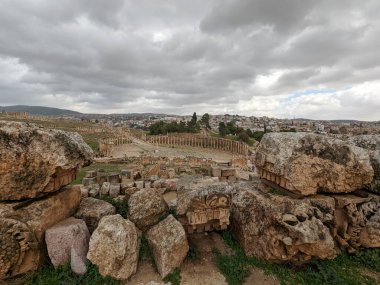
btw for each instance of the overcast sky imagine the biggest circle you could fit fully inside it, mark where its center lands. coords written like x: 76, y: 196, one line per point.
x: 289, y: 58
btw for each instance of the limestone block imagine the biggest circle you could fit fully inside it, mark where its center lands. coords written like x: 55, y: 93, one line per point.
x: 94, y: 190
x: 105, y: 189
x: 23, y: 225
x: 88, y: 181
x: 226, y: 172
x: 280, y: 228
x: 42, y: 160
x: 91, y: 210
x: 114, y: 247
x: 216, y: 171
x: 113, y: 178
x: 68, y: 241
x: 146, y: 207
x: 169, y: 245
x: 114, y: 190
x: 307, y: 163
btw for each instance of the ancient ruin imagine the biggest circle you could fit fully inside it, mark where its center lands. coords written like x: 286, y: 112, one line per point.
x: 304, y: 197
x: 307, y: 164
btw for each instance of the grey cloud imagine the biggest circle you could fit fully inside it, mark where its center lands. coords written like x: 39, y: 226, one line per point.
x: 179, y: 55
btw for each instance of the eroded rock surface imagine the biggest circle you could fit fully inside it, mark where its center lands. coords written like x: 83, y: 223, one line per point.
x: 146, y: 207
x: 169, y: 244
x: 22, y: 228
x: 372, y: 144
x: 279, y: 228
x: 41, y: 160
x: 203, y: 204
x: 91, y: 210
x: 307, y: 163
x: 114, y: 247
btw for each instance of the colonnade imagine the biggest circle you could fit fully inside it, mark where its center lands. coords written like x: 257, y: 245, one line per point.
x: 201, y: 141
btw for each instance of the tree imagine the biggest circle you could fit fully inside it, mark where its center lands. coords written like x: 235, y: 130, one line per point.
x: 223, y: 129
x: 205, y: 120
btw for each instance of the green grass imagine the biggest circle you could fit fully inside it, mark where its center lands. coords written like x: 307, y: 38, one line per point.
x: 344, y: 270
x: 63, y: 275
x: 92, y: 140
x: 174, y: 278
x: 276, y: 191
x: 120, y: 205
x: 95, y: 166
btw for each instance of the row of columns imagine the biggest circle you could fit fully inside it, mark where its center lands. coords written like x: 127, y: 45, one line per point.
x: 204, y: 142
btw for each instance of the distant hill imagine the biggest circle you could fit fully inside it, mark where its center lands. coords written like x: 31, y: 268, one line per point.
x: 39, y: 110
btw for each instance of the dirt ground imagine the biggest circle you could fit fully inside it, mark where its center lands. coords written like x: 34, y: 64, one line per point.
x: 202, y: 271
x: 139, y: 148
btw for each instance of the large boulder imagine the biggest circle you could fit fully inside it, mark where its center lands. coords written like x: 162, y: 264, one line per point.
x: 41, y: 160
x: 279, y: 228
x: 307, y: 163
x: 91, y: 210
x: 372, y: 144
x: 146, y: 207
x: 68, y: 241
x: 169, y: 245
x: 114, y: 247
x: 23, y: 225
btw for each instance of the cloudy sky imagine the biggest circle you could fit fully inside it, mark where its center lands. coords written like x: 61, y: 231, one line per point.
x: 288, y: 58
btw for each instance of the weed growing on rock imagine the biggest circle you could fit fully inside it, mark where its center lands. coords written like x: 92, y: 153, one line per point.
x: 120, y: 205
x: 174, y: 278
x: 49, y: 275
x: 344, y: 270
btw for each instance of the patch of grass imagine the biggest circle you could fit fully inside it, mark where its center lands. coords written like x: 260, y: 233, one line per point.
x: 120, y: 205
x: 344, y: 270
x: 108, y: 167
x: 63, y: 275
x: 276, y: 191
x: 92, y: 140
x: 174, y: 278
x: 145, y: 251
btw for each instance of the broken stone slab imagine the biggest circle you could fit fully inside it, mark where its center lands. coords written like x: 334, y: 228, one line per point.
x: 114, y: 247
x: 68, y: 241
x: 372, y: 144
x: 23, y: 225
x: 91, y: 210
x: 169, y: 245
x: 279, y: 228
x: 42, y: 160
x: 307, y: 164
x: 146, y: 207
x: 216, y: 171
